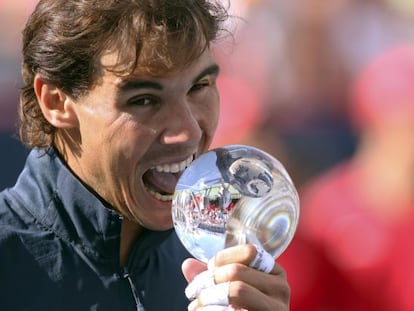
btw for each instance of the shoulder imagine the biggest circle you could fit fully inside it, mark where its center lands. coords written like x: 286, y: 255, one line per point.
x: 324, y: 189
x: 11, y: 217
x: 15, y: 222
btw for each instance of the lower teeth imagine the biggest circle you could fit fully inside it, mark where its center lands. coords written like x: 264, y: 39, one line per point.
x: 161, y: 197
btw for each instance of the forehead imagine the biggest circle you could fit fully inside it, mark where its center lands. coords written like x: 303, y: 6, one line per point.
x: 198, y: 65
x: 155, y: 57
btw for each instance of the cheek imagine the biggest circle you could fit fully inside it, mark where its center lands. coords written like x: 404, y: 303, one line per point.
x: 130, y: 138
x: 210, y: 115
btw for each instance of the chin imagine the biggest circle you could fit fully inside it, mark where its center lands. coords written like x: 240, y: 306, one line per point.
x: 160, y: 228
x: 158, y: 223
x: 166, y: 223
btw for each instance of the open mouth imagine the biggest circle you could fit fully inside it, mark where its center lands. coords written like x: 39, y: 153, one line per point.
x: 160, y: 181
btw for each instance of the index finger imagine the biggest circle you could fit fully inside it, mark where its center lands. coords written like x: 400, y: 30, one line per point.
x: 247, y: 254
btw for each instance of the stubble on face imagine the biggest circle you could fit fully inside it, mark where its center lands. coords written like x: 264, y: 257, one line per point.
x: 116, y: 142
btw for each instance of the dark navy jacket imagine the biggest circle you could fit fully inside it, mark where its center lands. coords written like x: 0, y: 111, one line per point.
x: 59, y: 249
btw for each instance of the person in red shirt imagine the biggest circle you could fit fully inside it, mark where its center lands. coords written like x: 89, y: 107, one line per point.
x: 354, y: 249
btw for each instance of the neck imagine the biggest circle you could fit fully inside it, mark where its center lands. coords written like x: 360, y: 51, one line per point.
x: 129, y: 233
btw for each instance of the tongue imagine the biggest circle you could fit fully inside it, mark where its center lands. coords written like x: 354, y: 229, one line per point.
x: 162, y: 182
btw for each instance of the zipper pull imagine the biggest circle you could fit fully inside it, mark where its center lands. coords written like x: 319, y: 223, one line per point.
x: 125, y: 275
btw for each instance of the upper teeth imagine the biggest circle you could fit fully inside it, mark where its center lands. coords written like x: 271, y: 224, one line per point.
x: 174, y: 167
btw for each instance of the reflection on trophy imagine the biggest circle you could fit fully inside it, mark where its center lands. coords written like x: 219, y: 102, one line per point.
x: 232, y: 195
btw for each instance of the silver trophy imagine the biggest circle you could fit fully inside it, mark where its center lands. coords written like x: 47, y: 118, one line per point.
x: 235, y: 195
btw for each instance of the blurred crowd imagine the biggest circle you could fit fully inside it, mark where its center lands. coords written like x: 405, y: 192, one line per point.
x: 328, y: 88
x: 13, y: 14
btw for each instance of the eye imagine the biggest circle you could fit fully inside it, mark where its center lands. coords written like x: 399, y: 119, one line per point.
x: 142, y: 101
x: 200, y: 85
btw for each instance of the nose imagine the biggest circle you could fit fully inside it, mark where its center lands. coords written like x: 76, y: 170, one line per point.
x: 181, y: 123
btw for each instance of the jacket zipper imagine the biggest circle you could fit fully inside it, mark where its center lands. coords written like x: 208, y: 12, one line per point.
x: 138, y: 303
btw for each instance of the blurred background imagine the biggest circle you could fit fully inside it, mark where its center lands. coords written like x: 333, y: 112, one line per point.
x: 326, y: 87
x: 13, y: 14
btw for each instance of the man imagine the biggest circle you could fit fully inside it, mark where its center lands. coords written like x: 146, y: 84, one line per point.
x: 118, y: 98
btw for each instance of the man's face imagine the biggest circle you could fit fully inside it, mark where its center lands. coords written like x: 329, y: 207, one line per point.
x: 137, y: 134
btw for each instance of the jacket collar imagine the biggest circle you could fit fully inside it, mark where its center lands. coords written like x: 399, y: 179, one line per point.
x: 61, y: 203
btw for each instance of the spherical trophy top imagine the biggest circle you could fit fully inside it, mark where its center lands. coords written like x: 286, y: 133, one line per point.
x: 235, y: 195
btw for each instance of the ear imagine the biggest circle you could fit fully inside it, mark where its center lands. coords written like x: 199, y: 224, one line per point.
x: 56, y: 106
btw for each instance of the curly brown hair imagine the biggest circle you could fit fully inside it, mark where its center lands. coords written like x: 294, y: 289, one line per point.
x: 63, y: 42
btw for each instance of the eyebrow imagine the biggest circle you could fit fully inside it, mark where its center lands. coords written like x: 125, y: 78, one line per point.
x: 210, y: 70
x: 127, y: 85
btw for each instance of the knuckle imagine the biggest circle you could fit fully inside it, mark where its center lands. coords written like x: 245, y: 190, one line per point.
x: 235, y: 270
x: 238, y: 289
x: 250, y: 252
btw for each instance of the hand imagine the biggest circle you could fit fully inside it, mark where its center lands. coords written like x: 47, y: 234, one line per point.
x: 246, y: 288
